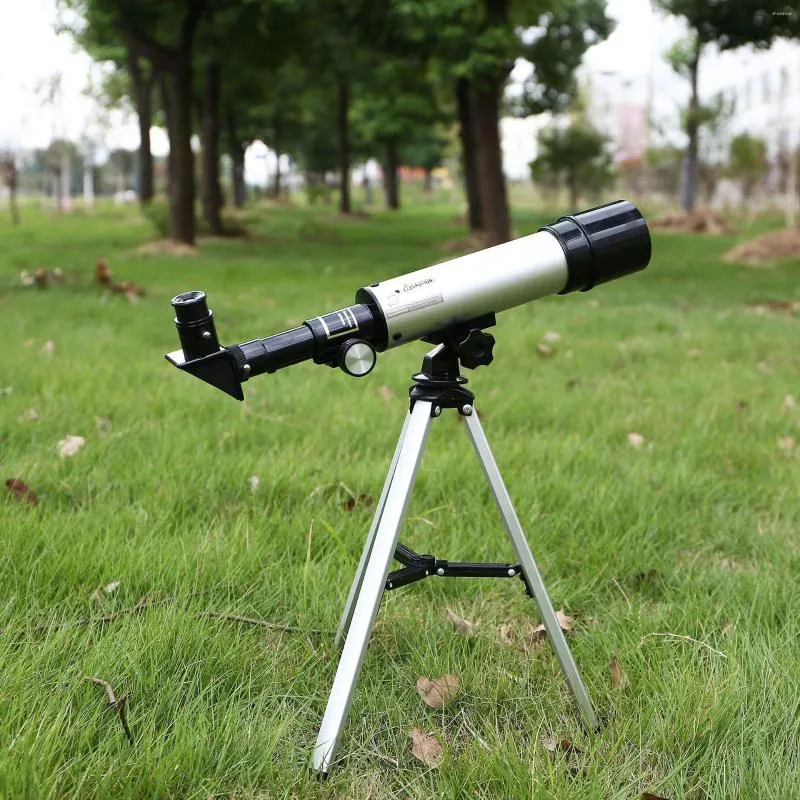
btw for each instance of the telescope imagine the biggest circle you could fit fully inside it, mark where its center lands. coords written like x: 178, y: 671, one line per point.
x: 448, y: 305
x: 453, y: 300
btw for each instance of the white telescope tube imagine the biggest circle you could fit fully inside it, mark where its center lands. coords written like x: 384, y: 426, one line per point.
x: 494, y: 280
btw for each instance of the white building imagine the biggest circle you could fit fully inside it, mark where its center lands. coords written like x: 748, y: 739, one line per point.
x: 764, y: 86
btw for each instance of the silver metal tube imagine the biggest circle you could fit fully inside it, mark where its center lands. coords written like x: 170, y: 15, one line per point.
x: 372, y: 586
x: 487, y: 281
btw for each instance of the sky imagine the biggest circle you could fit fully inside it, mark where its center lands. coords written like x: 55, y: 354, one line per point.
x: 31, y: 53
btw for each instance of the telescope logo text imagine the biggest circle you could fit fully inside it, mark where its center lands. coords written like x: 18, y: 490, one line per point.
x: 407, y: 287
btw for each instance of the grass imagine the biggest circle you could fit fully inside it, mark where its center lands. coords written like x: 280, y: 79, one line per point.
x: 679, y: 558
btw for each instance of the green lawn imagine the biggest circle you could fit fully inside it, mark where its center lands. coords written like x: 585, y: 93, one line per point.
x: 680, y: 558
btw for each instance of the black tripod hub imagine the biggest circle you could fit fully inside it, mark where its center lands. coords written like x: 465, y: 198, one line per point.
x: 441, y: 384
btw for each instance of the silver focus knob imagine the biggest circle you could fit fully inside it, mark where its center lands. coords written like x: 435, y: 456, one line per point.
x: 357, y: 358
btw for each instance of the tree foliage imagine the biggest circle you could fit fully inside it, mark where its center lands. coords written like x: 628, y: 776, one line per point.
x: 576, y: 156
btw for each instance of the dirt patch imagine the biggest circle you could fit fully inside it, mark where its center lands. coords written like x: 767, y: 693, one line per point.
x: 166, y: 247
x: 770, y: 247
x: 465, y: 244
x: 357, y: 215
x: 705, y: 221
x: 789, y: 308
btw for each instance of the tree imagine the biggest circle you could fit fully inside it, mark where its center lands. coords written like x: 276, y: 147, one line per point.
x: 576, y: 156
x: 728, y: 25
x: 9, y: 177
x: 426, y: 149
x: 714, y: 118
x: 122, y: 162
x: 748, y: 162
x: 477, y: 42
x: 397, y: 110
x: 93, y: 26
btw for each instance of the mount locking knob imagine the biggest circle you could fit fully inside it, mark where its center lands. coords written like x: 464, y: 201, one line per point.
x: 475, y: 349
x: 357, y: 358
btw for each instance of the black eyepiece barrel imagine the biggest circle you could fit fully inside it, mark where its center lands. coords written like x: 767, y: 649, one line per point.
x: 195, y: 323
x: 602, y: 244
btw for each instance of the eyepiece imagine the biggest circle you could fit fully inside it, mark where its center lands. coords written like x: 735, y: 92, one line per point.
x: 602, y: 244
x: 195, y: 323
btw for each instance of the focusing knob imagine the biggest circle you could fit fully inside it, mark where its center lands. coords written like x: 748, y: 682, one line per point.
x: 357, y: 358
x: 475, y: 349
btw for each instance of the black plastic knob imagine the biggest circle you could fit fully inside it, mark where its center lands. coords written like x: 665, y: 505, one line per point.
x: 475, y: 349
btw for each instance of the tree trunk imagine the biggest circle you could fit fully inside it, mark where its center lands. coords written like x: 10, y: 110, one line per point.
x: 468, y: 156
x: 166, y: 102
x: 143, y: 99
x: 427, y: 181
x: 144, y: 108
x: 491, y: 180
x: 367, y: 184
x: 182, y: 189
x: 276, y: 184
x: 391, y: 184
x: 689, y: 188
x: 12, y: 194
x: 236, y: 152
x: 344, y: 148
x: 212, y: 193
x: 572, y: 189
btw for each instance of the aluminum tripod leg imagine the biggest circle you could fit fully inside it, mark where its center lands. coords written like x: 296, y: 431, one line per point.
x: 525, y: 558
x: 347, y: 614
x: 373, y: 582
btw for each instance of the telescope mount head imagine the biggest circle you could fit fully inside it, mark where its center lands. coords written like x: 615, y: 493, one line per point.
x: 440, y: 381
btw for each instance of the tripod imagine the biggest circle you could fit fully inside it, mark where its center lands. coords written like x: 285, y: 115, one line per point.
x: 439, y: 385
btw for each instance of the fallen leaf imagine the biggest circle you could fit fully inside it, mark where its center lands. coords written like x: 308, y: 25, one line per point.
x: 635, y: 439
x: 551, y: 337
x: 553, y: 744
x: 21, y: 491
x: 103, y: 424
x: 438, y: 692
x: 111, y: 587
x: 29, y: 415
x: 70, y: 445
x: 544, y: 350
x: 48, y: 347
x: 789, y: 403
x: 425, y: 747
x: 102, y: 274
x: 255, y: 482
x: 506, y: 631
x: 539, y: 633
x: 386, y: 393
x: 360, y: 500
x: 533, y: 638
x: 460, y: 625
x: 564, y: 620
x: 786, y: 443
x: 619, y: 679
